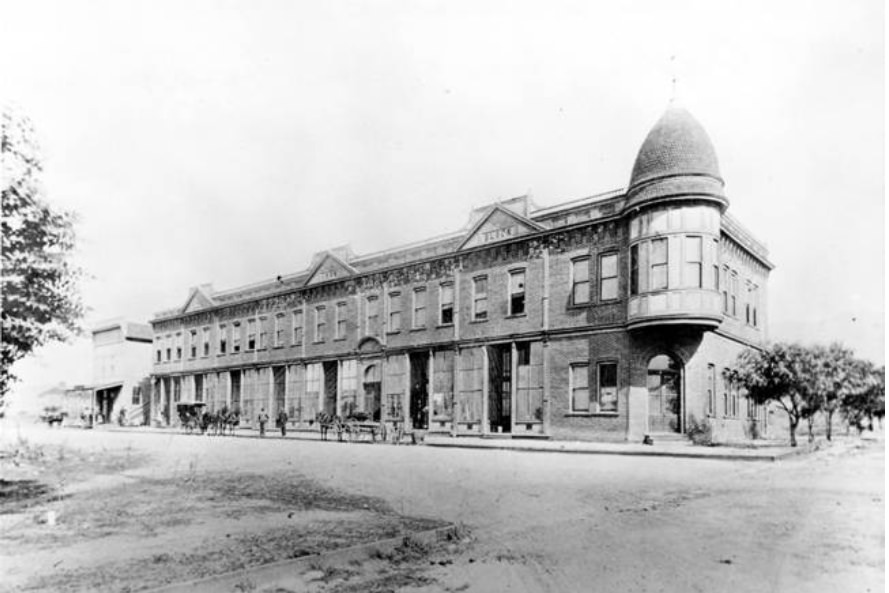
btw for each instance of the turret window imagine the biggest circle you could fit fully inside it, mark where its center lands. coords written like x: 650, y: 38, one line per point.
x: 659, y: 264
x: 634, y: 269
x: 693, y: 269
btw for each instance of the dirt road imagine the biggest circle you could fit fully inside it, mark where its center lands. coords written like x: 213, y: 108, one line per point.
x: 553, y: 522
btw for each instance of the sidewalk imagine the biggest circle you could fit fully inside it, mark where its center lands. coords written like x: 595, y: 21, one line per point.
x: 762, y: 451
x: 664, y: 449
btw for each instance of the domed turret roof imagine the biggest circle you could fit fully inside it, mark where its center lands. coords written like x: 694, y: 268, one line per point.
x: 676, y: 160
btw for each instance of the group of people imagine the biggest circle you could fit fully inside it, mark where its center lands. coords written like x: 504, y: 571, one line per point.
x: 280, y: 422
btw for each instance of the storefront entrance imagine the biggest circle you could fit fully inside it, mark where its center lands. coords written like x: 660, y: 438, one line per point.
x: 664, y: 394
x: 500, y: 388
x: 419, y: 401
x: 373, y: 392
x: 330, y: 383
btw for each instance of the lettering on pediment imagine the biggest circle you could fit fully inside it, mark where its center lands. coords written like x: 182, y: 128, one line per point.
x: 330, y: 268
x: 498, y: 225
x: 197, y: 301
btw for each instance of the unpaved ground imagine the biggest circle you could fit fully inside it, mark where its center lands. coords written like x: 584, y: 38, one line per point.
x: 552, y: 522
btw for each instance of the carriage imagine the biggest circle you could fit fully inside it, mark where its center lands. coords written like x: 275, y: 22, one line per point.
x: 190, y: 416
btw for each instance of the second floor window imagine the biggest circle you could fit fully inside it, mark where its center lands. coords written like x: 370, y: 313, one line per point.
x: 251, y: 334
x: 340, y: 321
x: 193, y: 343
x: 178, y: 346
x: 734, y: 300
x: 373, y: 315
x: 222, y: 339
x: 320, y: 322
x: 263, y: 332
x: 236, y: 337
x: 608, y: 277
x: 206, y: 341
x: 480, y: 298
x: 297, y: 328
x: 446, y: 303
x: 517, y: 292
x: 723, y: 283
x: 580, y: 281
x: 394, y: 312
x: 279, y: 330
x: 419, y: 313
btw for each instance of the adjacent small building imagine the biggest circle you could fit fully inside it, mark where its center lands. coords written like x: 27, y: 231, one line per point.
x: 121, y: 367
x: 608, y: 317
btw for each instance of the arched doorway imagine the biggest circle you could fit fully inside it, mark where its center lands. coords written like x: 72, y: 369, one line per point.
x: 664, y: 394
x: 372, y: 392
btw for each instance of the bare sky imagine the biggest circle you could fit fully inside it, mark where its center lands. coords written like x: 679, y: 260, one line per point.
x: 226, y: 142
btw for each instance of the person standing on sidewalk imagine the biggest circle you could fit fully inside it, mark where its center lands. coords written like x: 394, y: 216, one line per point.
x: 263, y: 420
x: 281, y: 421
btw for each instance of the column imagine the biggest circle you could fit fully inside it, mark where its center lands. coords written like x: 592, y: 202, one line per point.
x: 430, y: 385
x: 339, y: 387
x: 406, y: 398
x: 513, y: 384
x: 270, y: 395
x: 546, y: 388
x: 485, y: 426
x: 455, y: 416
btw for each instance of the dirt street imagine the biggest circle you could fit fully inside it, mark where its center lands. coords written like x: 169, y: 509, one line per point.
x: 557, y: 522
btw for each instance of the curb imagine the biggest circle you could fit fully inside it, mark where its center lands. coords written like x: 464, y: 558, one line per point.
x: 293, y: 570
x: 632, y: 453
x: 457, y: 444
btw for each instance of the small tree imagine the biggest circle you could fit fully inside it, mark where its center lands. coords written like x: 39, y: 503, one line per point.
x: 832, y: 377
x: 866, y: 398
x: 779, y: 374
x: 41, y: 302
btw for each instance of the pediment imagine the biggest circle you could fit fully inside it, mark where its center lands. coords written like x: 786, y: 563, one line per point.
x: 197, y: 301
x: 329, y: 267
x: 498, y: 225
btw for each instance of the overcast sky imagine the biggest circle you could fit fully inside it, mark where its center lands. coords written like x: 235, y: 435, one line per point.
x: 226, y: 142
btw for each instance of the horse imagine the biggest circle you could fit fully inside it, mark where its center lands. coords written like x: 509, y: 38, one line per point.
x: 232, y: 420
x: 326, y: 422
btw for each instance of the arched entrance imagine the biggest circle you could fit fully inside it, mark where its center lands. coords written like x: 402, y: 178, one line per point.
x: 664, y: 394
x: 372, y: 392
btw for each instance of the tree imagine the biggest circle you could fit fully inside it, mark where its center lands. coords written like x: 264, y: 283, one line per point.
x: 41, y: 301
x: 866, y: 400
x: 833, y: 377
x: 781, y: 373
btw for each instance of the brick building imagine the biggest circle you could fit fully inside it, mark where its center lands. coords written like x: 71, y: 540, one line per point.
x: 608, y: 317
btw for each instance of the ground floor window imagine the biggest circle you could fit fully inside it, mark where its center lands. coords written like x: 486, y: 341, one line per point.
x: 607, y: 386
x: 579, y: 384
